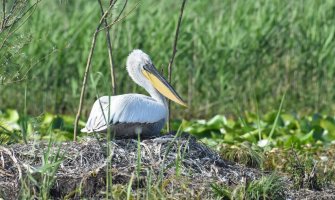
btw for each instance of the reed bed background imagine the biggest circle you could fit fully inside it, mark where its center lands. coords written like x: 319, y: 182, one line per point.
x: 232, y: 55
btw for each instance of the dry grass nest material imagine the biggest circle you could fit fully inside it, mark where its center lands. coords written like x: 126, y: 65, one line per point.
x: 84, y: 164
x: 82, y: 172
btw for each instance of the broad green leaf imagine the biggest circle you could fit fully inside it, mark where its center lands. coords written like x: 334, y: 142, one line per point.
x: 10, y: 115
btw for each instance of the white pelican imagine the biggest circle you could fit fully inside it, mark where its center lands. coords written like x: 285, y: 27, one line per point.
x: 129, y: 114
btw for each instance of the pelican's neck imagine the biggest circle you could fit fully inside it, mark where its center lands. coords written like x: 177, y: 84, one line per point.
x: 156, y: 95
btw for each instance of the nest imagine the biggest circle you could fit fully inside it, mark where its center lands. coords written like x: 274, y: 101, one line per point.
x: 84, y: 164
x: 81, y: 171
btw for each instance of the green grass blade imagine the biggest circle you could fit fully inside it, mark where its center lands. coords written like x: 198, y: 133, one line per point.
x: 277, y: 117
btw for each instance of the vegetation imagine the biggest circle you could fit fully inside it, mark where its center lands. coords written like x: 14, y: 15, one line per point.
x: 302, y: 148
x: 230, y: 54
x: 267, y: 187
x: 260, y: 73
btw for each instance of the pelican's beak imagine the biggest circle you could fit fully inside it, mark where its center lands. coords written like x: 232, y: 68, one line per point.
x: 159, y: 82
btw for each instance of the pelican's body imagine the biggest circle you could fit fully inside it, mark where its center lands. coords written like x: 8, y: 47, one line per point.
x: 127, y: 113
x: 133, y: 114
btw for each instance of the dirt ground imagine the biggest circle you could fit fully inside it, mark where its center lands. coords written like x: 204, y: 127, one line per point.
x: 82, y: 169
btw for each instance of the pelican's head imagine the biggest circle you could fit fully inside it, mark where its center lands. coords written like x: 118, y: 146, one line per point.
x: 144, y: 73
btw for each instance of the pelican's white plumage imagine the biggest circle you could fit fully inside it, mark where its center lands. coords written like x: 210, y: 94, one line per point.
x: 128, y: 112
x: 127, y: 108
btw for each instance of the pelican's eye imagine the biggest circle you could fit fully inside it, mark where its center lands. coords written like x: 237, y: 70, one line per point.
x: 145, y: 67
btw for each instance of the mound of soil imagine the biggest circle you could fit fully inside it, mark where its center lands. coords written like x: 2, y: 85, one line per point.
x: 82, y: 167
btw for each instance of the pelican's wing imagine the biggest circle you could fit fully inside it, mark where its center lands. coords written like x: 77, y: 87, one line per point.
x: 128, y: 108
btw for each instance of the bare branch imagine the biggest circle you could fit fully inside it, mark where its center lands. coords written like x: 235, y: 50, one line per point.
x: 124, y: 7
x: 88, y: 66
x: 20, y: 9
x: 89, y: 60
x: 4, y: 14
x: 116, y: 20
x: 173, y: 55
x: 109, y: 46
x: 31, y: 9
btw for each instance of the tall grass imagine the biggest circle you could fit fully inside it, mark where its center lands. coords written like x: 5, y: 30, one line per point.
x: 228, y: 50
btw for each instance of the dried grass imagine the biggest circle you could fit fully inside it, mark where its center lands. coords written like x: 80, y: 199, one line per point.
x: 84, y: 165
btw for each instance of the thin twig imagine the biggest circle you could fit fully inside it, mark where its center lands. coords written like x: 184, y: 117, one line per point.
x: 15, y: 4
x: 11, y: 11
x: 117, y: 20
x: 109, y: 46
x: 173, y: 55
x: 19, y: 11
x: 12, y: 156
x: 4, y: 14
x: 122, y: 10
x: 25, y: 73
x: 34, y: 6
x: 88, y: 65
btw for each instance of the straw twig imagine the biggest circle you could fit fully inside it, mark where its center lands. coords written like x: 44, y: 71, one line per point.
x: 174, y: 51
x: 15, y: 162
x: 109, y: 47
x: 119, y: 18
x: 88, y: 66
x: 15, y: 16
x: 103, y: 19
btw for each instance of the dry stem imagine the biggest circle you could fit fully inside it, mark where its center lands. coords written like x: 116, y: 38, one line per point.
x: 88, y: 65
x: 12, y: 156
x: 173, y: 55
x: 118, y: 19
x: 109, y: 46
x: 103, y: 19
x: 22, y: 13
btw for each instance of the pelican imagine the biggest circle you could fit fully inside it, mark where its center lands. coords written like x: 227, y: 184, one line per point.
x: 131, y: 114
